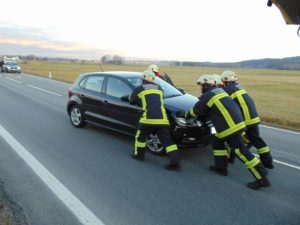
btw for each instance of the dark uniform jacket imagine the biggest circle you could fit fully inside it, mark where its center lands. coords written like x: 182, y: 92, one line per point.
x: 150, y: 96
x: 244, y: 101
x: 222, y: 110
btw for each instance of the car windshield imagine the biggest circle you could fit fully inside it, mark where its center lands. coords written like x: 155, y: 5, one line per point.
x: 169, y: 90
x: 11, y: 63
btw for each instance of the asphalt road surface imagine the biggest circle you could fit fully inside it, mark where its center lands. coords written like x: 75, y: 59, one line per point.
x: 57, y: 174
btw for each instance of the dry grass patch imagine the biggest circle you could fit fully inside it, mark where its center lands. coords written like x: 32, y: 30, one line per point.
x: 276, y: 92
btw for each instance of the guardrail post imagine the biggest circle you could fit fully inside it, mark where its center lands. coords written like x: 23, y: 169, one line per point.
x: 50, y: 75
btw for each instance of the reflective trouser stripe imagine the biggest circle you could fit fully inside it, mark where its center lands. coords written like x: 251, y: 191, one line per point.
x: 263, y: 150
x: 220, y: 152
x: 230, y: 130
x: 245, y: 138
x: 154, y: 121
x: 171, y: 148
x: 228, y: 150
x: 137, y: 143
x: 192, y: 112
x: 250, y: 164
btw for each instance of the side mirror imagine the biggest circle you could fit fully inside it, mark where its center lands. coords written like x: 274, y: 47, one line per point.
x: 181, y: 90
x: 125, y: 98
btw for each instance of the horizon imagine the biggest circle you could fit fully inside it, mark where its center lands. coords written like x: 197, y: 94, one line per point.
x: 229, y: 31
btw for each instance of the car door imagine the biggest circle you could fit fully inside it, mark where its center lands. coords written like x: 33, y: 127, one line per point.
x: 124, y: 115
x: 92, y: 97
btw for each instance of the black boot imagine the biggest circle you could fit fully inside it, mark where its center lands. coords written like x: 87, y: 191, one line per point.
x: 140, y: 154
x: 175, y: 167
x: 221, y: 171
x: 174, y: 161
x: 259, y: 183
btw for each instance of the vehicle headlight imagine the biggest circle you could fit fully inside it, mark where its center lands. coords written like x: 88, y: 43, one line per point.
x: 181, y: 121
x: 18, y: 68
x: 8, y: 67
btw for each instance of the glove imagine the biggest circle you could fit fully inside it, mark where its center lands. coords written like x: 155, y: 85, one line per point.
x: 181, y: 114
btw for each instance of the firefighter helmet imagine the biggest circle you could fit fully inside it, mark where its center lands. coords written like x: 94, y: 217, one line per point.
x: 148, y: 75
x: 206, y: 79
x: 228, y: 75
x: 154, y: 68
x: 217, y: 79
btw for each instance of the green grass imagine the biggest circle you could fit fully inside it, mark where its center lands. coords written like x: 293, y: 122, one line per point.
x: 275, y: 92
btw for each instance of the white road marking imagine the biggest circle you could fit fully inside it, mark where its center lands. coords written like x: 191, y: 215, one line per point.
x: 17, y: 81
x: 279, y: 129
x: 50, y: 92
x: 287, y: 164
x: 283, y: 163
x: 83, y: 214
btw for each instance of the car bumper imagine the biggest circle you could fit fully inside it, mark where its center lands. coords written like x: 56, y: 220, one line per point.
x: 192, y: 135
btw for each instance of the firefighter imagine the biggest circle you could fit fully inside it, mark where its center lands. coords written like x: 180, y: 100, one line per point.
x: 225, y: 115
x: 153, y: 120
x: 154, y: 68
x: 218, y: 80
x: 250, y: 115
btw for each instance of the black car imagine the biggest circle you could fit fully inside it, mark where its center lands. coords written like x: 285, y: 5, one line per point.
x: 101, y: 98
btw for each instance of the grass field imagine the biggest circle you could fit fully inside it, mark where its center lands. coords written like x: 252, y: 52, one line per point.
x: 276, y: 92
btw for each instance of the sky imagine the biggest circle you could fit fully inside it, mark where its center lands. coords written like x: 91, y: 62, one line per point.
x: 185, y: 30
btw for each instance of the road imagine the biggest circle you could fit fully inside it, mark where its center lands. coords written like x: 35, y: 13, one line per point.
x: 88, y: 176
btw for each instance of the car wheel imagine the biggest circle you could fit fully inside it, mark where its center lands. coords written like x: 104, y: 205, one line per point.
x: 154, y: 145
x: 76, y: 117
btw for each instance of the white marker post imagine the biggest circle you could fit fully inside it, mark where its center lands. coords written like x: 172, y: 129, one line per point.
x: 50, y: 75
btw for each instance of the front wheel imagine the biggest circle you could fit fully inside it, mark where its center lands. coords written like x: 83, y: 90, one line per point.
x: 76, y: 117
x: 154, y: 145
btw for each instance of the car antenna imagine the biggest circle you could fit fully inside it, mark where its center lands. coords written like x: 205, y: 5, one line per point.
x: 101, y: 67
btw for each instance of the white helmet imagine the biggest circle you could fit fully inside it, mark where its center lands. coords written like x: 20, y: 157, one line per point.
x: 206, y: 79
x: 154, y: 68
x: 228, y: 75
x: 148, y: 75
x: 217, y: 79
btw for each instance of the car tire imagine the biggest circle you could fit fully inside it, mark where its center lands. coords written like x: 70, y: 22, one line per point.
x: 154, y: 145
x: 76, y: 117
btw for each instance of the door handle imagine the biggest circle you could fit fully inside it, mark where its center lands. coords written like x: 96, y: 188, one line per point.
x: 81, y: 96
x: 105, y: 102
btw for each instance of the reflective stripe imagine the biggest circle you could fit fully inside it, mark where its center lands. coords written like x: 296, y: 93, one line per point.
x: 237, y: 93
x: 245, y: 160
x: 252, y: 163
x: 220, y: 152
x: 171, y: 148
x: 164, y: 120
x: 244, y: 108
x: 216, y: 97
x: 252, y: 121
x: 135, y: 145
x: 192, y: 113
x: 225, y: 113
x: 231, y: 130
x: 263, y: 150
x: 245, y: 138
x: 154, y: 121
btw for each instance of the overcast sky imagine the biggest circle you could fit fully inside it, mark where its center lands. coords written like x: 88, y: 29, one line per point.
x: 196, y: 30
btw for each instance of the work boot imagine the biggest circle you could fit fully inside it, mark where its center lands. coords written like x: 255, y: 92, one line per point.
x: 259, y: 183
x: 267, y: 160
x: 221, y: 171
x: 173, y: 166
x: 138, y: 157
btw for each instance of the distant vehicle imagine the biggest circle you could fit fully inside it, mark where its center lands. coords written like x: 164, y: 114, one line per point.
x: 10, y: 66
x: 101, y: 98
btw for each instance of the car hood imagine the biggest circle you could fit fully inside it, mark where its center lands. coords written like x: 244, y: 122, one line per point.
x: 183, y: 102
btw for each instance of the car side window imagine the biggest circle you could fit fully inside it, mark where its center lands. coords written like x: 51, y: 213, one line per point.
x: 94, y: 83
x: 117, y: 88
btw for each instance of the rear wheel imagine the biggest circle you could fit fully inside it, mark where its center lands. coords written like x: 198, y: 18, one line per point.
x: 76, y: 117
x: 154, y: 145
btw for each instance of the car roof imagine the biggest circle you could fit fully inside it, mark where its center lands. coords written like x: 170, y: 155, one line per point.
x: 125, y: 74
